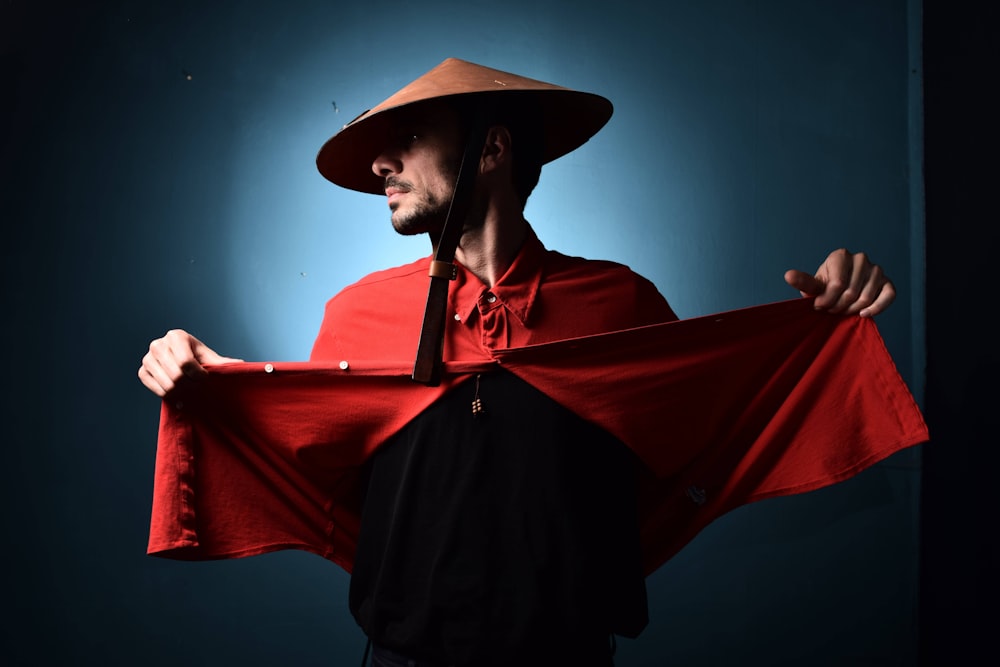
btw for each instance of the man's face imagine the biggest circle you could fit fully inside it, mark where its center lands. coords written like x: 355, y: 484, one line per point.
x: 420, y: 165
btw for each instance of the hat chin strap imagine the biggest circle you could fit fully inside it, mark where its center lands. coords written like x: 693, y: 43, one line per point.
x: 430, y: 348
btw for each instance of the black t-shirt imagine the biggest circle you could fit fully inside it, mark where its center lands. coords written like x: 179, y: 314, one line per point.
x: 505, y: 538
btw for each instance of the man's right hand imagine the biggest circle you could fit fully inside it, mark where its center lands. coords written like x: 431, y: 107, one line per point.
x: 178, y: 354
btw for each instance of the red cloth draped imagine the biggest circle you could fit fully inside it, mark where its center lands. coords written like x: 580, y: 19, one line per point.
x: 723, y: 410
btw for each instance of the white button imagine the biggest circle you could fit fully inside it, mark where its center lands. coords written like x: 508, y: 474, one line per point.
x: 344, y: 365
x: 458, y: 318
x: 268, y: 368
x: 491, y: 298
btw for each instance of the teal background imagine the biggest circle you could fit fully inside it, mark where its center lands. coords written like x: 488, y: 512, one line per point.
x: 159, y: 172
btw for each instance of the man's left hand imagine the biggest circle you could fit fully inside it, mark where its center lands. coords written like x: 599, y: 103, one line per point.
x: 847, y: 284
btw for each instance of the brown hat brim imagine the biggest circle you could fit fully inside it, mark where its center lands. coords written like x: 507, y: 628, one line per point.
x: 568, y: 118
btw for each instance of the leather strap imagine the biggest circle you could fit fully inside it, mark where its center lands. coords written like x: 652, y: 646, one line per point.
x: 427, y: 367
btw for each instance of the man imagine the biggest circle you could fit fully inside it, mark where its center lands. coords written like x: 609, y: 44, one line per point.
x: 477, y: 535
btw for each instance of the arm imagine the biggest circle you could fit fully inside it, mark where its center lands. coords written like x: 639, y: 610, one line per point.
x: 176, y: 355
x: 847, y: 284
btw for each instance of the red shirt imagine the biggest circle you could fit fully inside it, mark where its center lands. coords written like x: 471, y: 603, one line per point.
x: 543, y: 296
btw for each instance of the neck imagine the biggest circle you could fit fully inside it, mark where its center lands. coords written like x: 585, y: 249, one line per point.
x: 489, y: 249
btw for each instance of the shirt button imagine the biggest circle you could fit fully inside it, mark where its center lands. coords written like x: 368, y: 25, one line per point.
x: 491, y: 298
x: 344, y: 365
x: 458, y: 318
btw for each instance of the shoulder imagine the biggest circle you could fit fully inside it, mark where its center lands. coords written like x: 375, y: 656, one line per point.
x: 397, y: 283
x: 608, y: 291
x: 608, y: 276
x: 375, y: 316
x: 559, y: 265
x: 387, y: 279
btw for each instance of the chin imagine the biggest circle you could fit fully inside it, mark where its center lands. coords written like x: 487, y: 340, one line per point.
x: 407, y: 231
x: 414, y: 223
x: 407, y: 227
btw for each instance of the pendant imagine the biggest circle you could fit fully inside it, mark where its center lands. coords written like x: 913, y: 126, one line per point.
x: 477, y: 403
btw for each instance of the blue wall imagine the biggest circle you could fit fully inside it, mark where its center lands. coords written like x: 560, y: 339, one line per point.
x: 158, y: 172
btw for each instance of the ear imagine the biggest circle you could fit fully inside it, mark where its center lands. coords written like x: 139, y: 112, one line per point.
x: 496, y: 150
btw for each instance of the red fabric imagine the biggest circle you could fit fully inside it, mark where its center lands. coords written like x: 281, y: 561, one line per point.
x: 723, y: 410
x: 543, y: 296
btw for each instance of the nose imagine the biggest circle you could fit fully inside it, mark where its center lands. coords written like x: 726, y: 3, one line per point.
x: 387, y: 163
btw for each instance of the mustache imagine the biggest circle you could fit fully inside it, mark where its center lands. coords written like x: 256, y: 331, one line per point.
x: 399, y: 184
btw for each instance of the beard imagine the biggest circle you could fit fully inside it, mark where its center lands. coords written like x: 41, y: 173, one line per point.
x: 430, y: 215
x: 427, y: 216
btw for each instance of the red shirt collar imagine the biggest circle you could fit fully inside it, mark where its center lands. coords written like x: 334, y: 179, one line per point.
x: 516, y: 289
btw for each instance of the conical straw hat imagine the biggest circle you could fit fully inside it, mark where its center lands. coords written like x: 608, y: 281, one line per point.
x: 568, y: 118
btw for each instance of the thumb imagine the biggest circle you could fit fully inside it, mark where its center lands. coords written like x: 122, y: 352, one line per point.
x: 207, y: 356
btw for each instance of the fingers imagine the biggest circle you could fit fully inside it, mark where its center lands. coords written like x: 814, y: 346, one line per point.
x: 881, y: 300
x: 175, y: 356
x: 868, y: 291
x: 845, y: 276
x: 846, y: 284
x: 805, y: 283
x: 168, y: 360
